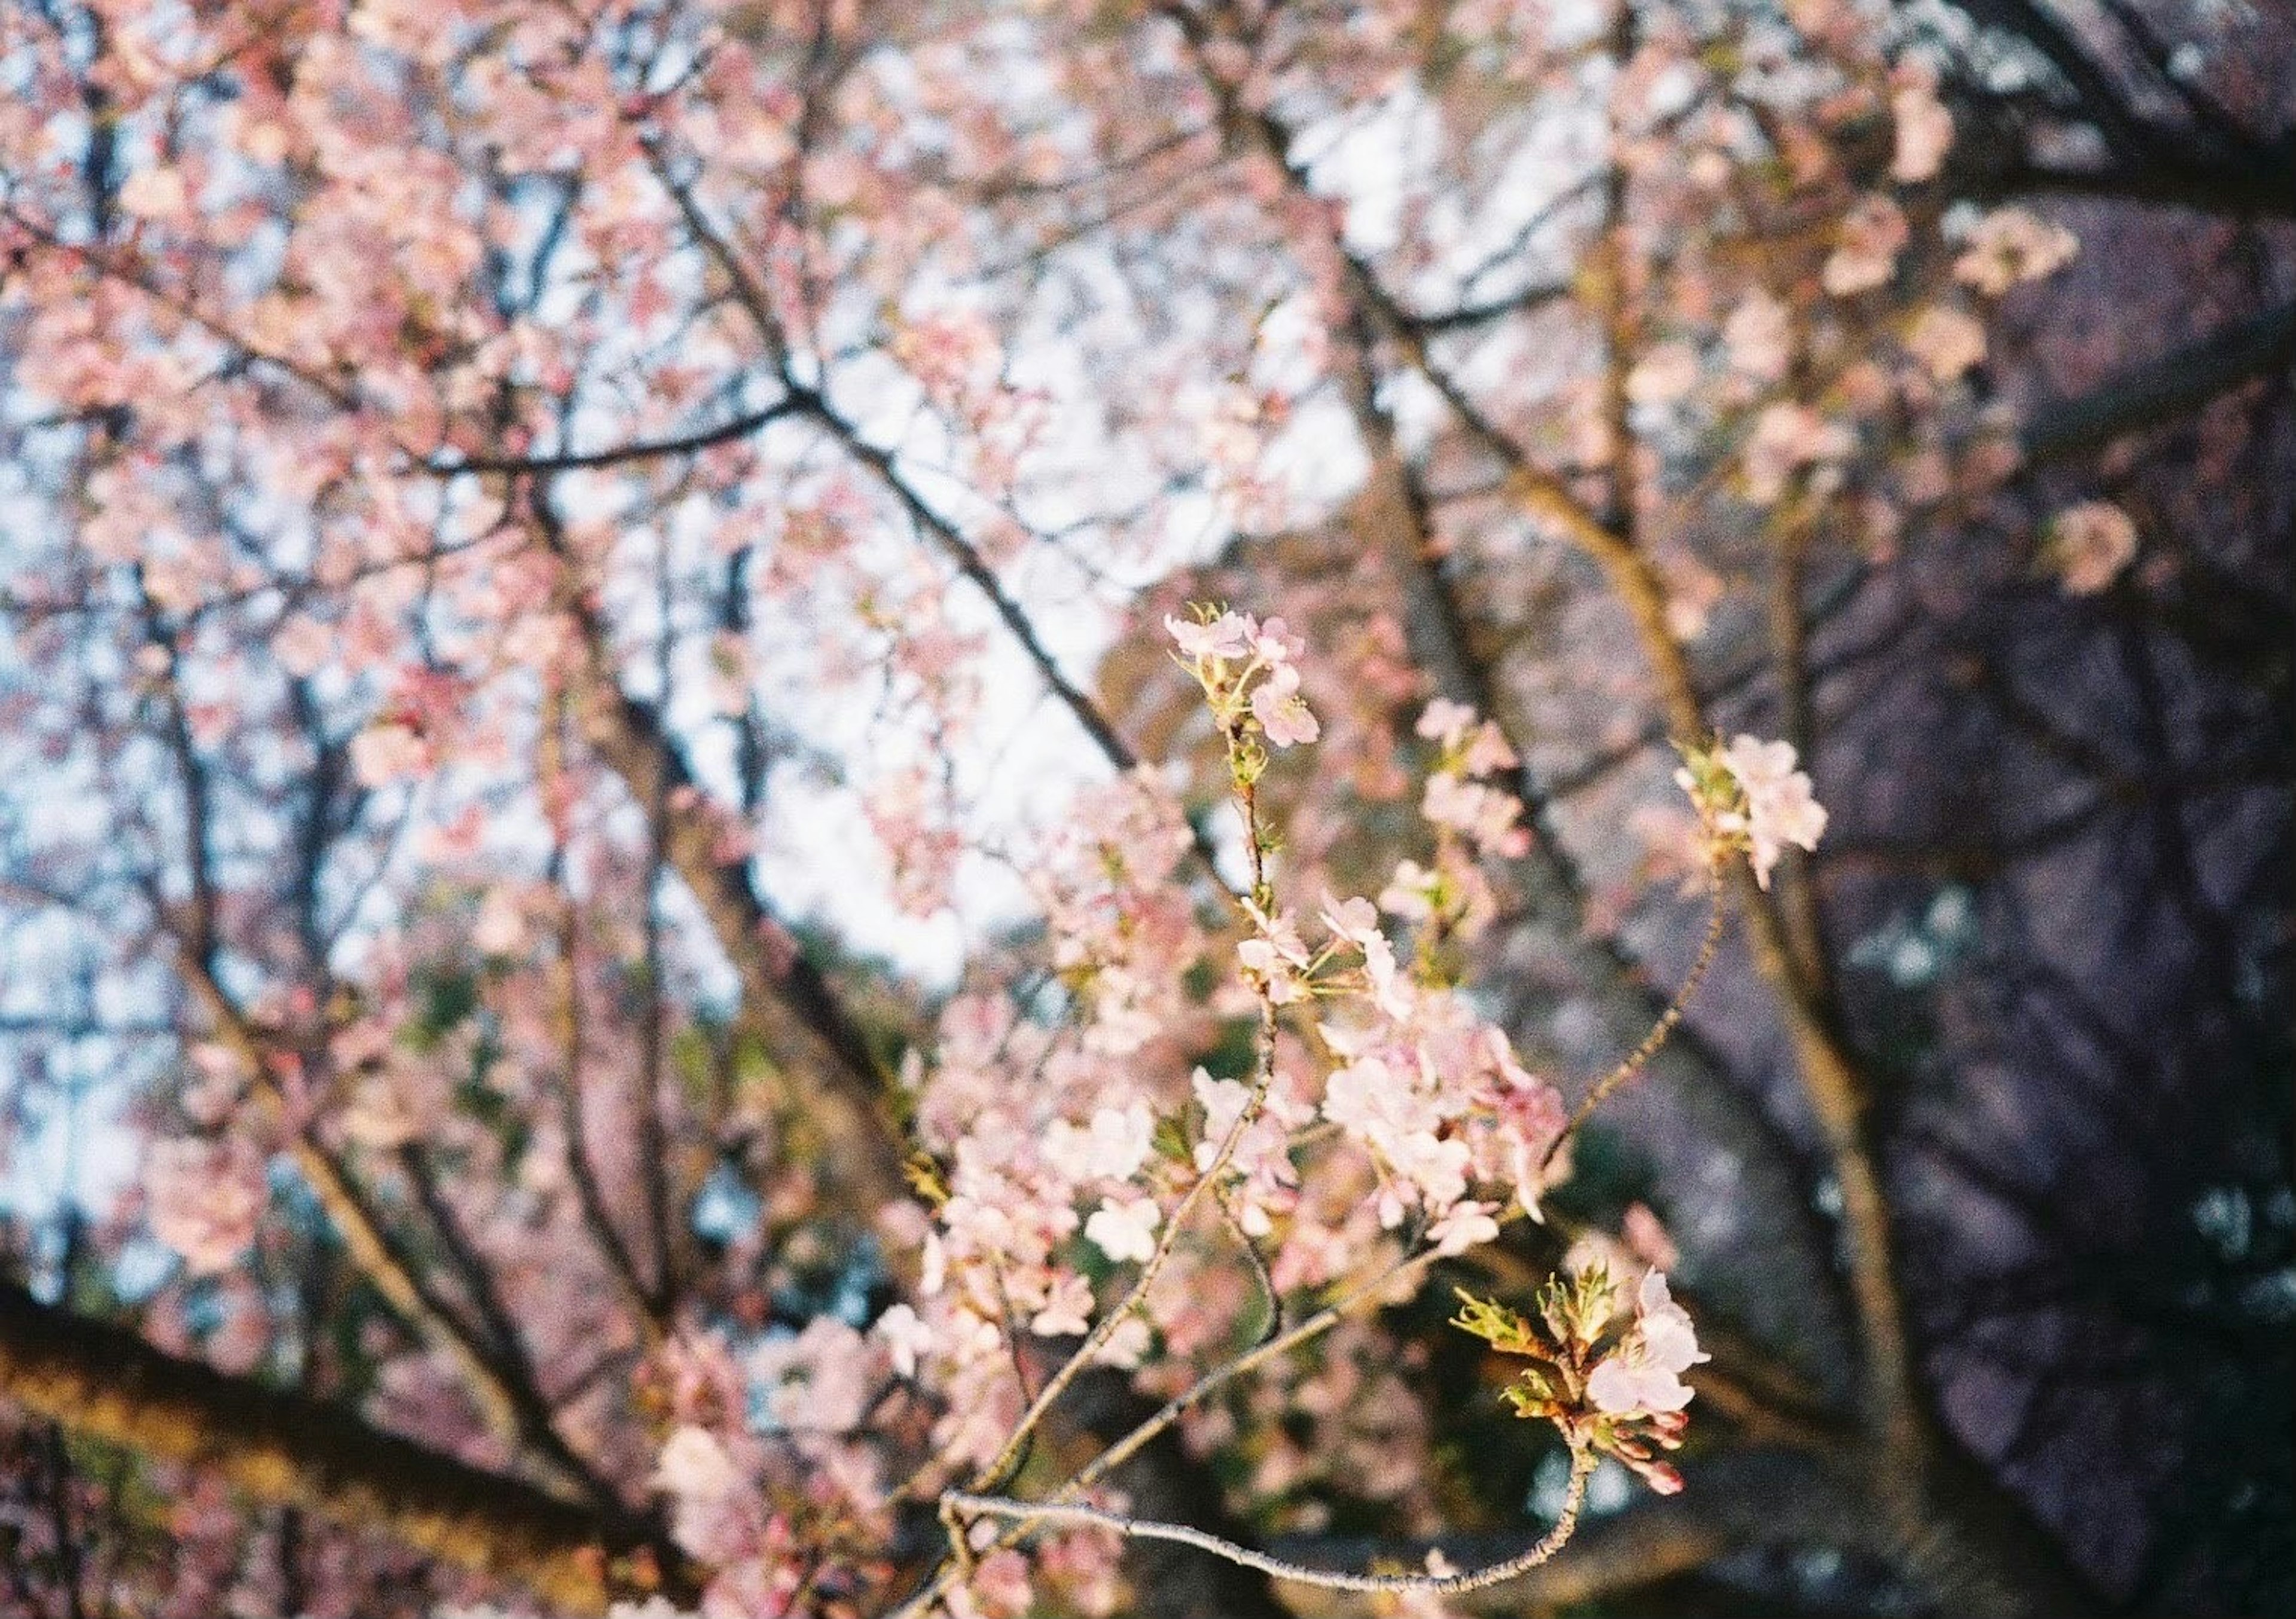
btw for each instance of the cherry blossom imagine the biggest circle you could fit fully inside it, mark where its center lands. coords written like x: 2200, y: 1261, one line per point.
x: 1922, y: 127
x: 1779, y: 806
x: 905, y: 1337
x: 2092, y: 544
x: 1946, y: 341
x: 604, y: 590
x: 1872, y: 237
x: 203, y: 1198
x: 1641, y: 1376
x: 2009, y: 246
x: 1280, y: 709
x: 1126, y: 1230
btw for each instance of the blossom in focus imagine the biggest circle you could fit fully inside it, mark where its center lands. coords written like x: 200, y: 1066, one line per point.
x: 1779, y: 806
x: 1266, y: 687
x: 1642, y: 1376
x: 2091, y: 544
x: 1225, y: 636
x: 1273, y: 962
x: 1280, y: 709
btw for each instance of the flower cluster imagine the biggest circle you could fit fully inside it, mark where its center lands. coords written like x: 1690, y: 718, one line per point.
x: 1753, y: 798
x: 2009, y: 246
x: 1609, y: 1383
x: 1248, y: 669
x: 203, y: 1198
x: 763, y: 1469
x: 1458, y: 796
x: 1475, y: 817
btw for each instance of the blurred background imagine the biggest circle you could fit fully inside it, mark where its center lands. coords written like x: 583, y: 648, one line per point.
x: 565, y: 569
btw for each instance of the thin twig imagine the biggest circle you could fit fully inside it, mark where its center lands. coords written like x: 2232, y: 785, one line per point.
x: 1582, y: 1464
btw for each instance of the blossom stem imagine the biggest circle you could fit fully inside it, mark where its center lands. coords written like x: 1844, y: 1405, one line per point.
x: 1635, y: 1061
x: 1015, y: 1447
x: 1116, y: 1455
x: 1582, y: 1464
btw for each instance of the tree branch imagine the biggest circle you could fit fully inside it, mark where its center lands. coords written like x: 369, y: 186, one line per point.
x: 2160, y: 391
x: 105, y: 1383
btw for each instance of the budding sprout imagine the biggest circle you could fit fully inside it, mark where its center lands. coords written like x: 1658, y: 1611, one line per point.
x: 1609, y: 1388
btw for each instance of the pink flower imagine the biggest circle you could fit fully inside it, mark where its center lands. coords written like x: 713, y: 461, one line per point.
x: 1355, y: 920
x: 1946, y: 341
x: 381, y: 754
x: 1866, y: 254
x: 820, y: 1379
x: 1646, y: 1238
x: 1759, y: 336
x: 1787, y: 439
x: 1780, y: 809
x: 1488, y: 751
x: 1409, y: 892
x: 694, y: 1464
x: 1445, y: 723
x: 1068, y: 1309
x: 2091, y: 544
x: 1391, y: 987
x: 1112, y: 1146
x: 1281, y: 713
x: 1125, y: 1231
x: 1525, y: 1119
x: 949, y: 351
x: 1273, y: 643
x: 1924, y: 132
x: 1642, y: 1376
x: 203, y: 1198
x: 1225, y: 636
x: 715, y: 1514
x: 2009, y: 246
x: 1465, y: 1225
x: 1664, y: 375
x: 1485, y: 816
x: 155, y: 194
x: 1000, y: 1583
x: 1276, y: 959
x: 302, y: 644
x: 906, y: 1337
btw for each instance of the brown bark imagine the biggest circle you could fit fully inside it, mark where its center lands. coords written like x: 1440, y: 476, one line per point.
x: 104, y: 1382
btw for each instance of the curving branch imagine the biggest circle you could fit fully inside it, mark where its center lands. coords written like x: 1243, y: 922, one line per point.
x: 1582, y: 1464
